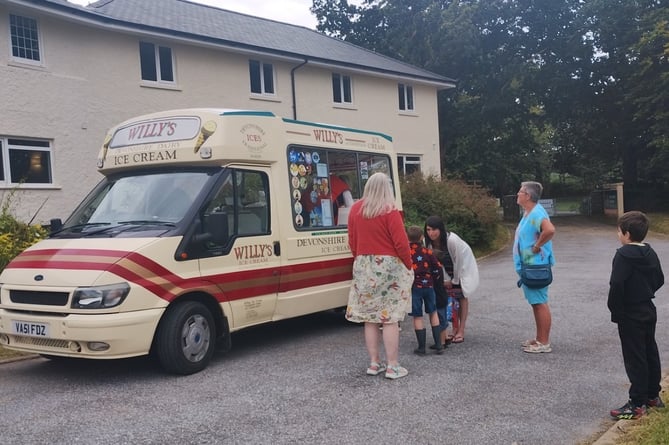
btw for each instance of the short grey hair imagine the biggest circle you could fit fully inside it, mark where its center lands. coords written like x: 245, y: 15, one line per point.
x: 533, y: 189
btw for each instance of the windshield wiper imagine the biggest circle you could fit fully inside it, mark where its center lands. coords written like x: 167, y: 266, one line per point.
x: 145, y: 222
x: 127, y: 225
x: 80, y: 226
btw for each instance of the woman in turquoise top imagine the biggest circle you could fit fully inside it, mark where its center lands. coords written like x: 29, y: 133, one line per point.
x: 533, y: 244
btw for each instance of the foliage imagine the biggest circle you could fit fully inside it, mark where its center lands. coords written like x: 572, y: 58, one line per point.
x: 15, y: 236
x: 564, y: 86
x: 467, y: 210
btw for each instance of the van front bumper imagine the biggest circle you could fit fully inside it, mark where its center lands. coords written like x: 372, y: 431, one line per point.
x: 103, y: 336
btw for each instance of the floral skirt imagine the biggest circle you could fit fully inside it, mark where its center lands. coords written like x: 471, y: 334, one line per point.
x: 380, y: 290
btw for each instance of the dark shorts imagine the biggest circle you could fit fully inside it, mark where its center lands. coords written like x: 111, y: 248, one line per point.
x: 420, y: 296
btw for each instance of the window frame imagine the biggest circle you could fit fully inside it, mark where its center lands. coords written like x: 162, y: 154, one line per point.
x: 315, y: 176
x: 341, y: 85
x: 39, y: 146
x: 25, y: 60
x: 158, y: 63
x: 403, y: 161
x: 406, y: 98
x: 262, y: 78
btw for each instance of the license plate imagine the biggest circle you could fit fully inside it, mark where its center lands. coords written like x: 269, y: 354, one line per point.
x: 29, y: 328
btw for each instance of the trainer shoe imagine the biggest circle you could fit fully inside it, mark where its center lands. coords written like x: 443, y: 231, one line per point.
x: 396, y: 372
x: 655, y: 403
x: 629, y: 412
x: 538, y: 348
x: 376, y: 368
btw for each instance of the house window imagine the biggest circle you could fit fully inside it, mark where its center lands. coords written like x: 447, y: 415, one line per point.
x: 156, y: 62
x: 408, y: 164
x: 405, y: 96
x: 341, y: 89
x: 25, y: 161
x: 262, y: 77
x: 24, y: 37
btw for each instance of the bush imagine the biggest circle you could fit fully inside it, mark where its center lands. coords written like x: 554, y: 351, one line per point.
x: 15, y: 236
x: 468, y: 210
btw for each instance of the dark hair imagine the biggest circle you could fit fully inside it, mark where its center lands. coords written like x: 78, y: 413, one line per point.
x: 414, y: 233
x: 635, y: 223
x: 436, y: 223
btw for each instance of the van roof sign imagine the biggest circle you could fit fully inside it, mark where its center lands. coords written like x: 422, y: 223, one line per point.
x: 156, y: 130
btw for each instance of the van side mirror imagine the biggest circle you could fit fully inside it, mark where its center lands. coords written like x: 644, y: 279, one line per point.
x: 55, y: 224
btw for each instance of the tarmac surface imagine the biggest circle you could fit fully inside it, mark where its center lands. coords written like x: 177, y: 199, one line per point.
x: 303, y: 380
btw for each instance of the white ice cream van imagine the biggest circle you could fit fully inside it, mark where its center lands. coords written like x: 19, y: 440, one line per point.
x: 206, y: 222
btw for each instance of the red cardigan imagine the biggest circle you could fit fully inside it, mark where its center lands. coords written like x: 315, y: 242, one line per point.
x: 383, y: 235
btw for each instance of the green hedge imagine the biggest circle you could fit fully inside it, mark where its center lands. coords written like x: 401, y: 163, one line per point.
x: 15, y: 236
x: 468, y: 210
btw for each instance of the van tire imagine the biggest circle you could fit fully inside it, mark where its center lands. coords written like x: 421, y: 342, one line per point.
x: 186, y: 338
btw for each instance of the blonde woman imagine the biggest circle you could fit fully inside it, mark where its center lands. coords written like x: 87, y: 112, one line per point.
x: 382, y: 273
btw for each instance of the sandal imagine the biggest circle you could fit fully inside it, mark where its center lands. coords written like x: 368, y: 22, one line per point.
x: 376, y: 368
x: 458, y: 339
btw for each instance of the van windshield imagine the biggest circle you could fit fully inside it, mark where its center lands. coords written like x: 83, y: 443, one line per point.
x: 150, y: 199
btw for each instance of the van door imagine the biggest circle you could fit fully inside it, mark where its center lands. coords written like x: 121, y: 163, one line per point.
x: 245, y: 266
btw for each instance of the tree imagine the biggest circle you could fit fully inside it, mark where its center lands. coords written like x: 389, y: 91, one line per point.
x: 543, y: 86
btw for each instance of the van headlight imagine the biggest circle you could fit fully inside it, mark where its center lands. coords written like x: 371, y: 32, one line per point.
x: 100, y: 297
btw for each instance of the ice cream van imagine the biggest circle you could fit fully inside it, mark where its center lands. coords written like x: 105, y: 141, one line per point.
x: 206, y: 222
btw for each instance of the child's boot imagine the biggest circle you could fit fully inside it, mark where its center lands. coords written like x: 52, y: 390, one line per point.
x: 420, y: 336
x: 436, y: 334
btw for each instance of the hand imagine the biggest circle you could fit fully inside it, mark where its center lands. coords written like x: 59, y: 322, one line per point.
x: 536, y: 249
x: 448, y: 284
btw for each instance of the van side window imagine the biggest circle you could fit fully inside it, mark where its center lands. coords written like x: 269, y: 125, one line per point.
x: 243, y: 199
x: 324, y: 183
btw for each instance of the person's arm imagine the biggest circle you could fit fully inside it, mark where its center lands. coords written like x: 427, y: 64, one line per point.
x: 619, y: 274
x: 545, y: 235
x: 352, y: 231
x: 399, y: 238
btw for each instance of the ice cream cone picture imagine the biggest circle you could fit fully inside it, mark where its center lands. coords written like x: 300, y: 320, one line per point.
x: 207, y: 130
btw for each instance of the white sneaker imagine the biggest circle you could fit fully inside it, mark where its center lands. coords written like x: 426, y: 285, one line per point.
x: 538, y: 348
x: 396, y: 372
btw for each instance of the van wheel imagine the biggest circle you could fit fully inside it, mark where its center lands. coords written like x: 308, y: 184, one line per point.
x: 186, y: 338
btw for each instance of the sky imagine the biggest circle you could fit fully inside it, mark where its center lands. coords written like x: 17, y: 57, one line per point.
x: 288, y: 11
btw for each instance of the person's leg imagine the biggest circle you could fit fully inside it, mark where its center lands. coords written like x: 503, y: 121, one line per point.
x: 653, y: 360
x: 372, y: 337
x: 632, y: 342
x: 463, y: 311
x: 391, y: 343
x: 542, y: 319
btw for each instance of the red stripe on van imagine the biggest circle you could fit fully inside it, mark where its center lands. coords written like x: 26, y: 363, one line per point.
x: 132, y: 267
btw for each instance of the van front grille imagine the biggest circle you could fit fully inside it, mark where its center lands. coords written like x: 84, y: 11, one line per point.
x: 38, y: 297
x: 43, y: 342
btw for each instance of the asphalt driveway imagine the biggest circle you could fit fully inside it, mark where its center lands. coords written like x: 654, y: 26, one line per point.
x: 303, y: 381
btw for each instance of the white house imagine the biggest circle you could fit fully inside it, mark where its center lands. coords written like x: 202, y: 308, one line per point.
x: 68, y: 73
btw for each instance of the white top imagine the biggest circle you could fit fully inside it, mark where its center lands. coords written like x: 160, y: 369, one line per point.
x: 465, y: 269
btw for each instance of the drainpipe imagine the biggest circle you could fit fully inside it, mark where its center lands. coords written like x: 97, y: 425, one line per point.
x: 292, y: 85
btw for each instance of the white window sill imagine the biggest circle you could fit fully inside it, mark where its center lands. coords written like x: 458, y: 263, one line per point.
x: 21, y: 63
x: 344, y: 106
x: 159, y: 85
x: 4, y: 186
x: 409, y: 113
x: 265, y: 98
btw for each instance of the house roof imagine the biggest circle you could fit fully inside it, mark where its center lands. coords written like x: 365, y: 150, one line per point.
x: 211, y: 25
